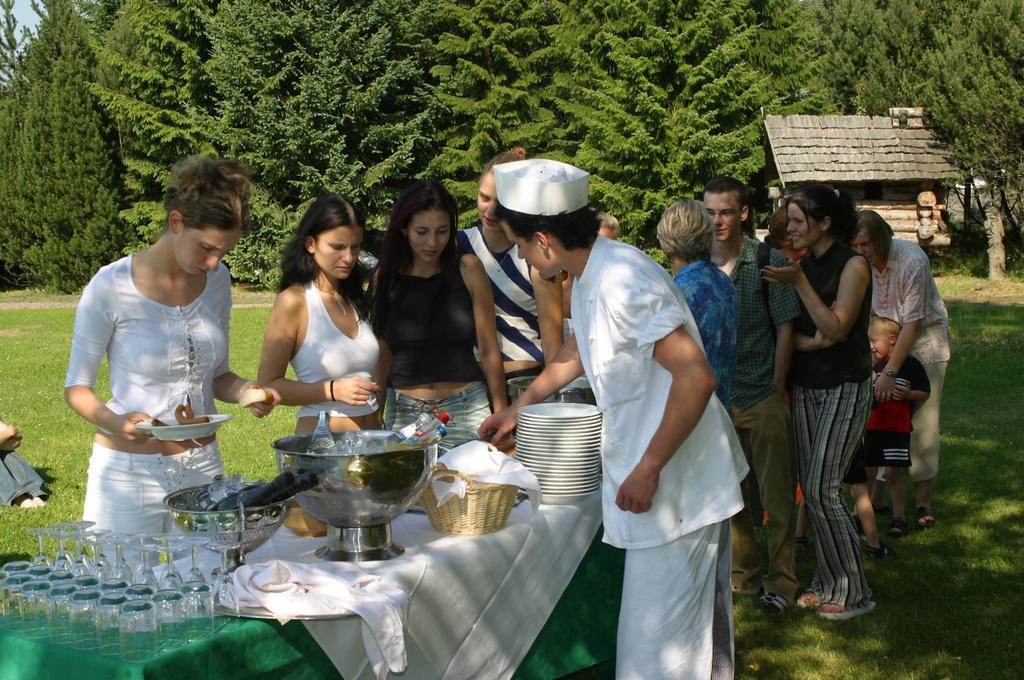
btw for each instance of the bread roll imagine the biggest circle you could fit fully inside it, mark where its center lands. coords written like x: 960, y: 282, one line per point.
x: 252, y: 395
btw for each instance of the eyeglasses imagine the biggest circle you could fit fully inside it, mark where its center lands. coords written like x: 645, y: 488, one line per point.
x: 728, y: 212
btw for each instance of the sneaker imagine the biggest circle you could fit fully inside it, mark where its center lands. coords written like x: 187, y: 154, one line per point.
x: 881, y: 551
x: 772, y: 603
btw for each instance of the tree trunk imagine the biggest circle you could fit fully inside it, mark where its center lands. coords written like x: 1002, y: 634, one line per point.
x: 994, y: 229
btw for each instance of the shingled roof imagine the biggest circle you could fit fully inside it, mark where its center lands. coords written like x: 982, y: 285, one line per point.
x: 854, y: 149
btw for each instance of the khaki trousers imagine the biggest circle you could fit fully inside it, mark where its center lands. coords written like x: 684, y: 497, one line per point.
x: 763, y: 431
x: 924, y: 439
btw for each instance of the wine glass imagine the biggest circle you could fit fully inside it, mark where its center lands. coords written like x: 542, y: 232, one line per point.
x: 101, y: 563
x: 144, y: 570
x: 63, y: 560
x: 120, y: 568
x: 41, y: 533
x: 169, y: 543
x: 195, y: 542
x: 224, y: 597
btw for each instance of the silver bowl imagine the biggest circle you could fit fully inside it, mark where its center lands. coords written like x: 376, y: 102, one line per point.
x: 364, y: 484
x: 251, y: 530
x: 576, y: 392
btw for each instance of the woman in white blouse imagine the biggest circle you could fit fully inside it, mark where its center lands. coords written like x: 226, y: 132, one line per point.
x: 161, y: 317
x: 318, y: 323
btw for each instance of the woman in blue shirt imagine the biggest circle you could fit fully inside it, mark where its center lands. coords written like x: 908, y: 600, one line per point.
x: 684, y: 234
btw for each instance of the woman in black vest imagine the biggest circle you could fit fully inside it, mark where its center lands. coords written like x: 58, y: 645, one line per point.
x: 831, y: 375
x: 431, y: 307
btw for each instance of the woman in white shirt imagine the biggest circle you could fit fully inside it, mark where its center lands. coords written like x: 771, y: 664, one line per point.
x: 161, y: 317
x: 318, y: 323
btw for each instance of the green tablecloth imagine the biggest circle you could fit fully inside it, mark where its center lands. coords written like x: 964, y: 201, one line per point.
x: 580, y: 633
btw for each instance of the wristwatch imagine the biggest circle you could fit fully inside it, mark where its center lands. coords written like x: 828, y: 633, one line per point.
x: 889, y: 372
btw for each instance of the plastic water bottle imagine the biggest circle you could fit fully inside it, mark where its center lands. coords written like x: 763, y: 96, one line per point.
x: 426, y: 429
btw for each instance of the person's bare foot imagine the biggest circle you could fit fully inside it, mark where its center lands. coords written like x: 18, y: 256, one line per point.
x: 24, y: 501
x: 38, y: 502
x: 10, y: 437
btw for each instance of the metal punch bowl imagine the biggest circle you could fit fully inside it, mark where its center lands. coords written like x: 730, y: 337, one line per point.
x: 364, y: 484
x: 251, y: 531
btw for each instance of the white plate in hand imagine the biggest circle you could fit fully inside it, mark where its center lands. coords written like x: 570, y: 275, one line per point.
x: 178, y: 433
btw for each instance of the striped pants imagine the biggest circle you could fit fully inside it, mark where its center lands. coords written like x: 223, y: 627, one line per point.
x: 828, y: 425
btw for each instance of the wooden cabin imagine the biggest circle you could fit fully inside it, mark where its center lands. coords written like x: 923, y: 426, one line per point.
x: 891, y: 164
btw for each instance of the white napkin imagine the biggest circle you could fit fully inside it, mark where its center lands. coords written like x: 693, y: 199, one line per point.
x: 484, y: 463
x: 290, y: 589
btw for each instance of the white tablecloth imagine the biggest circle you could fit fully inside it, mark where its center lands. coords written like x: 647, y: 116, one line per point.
x: 476, y: 603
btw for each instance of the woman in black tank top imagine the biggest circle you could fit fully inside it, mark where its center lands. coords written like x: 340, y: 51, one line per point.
x: 831, y: 374
x: 431, y: 308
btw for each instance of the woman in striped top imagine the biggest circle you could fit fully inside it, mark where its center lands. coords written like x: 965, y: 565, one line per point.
x: 528, y: 308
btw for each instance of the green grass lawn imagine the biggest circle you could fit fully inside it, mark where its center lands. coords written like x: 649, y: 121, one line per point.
x: 947, y: 601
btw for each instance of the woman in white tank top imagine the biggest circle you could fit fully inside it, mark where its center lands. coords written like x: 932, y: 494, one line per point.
x: 318, y: 323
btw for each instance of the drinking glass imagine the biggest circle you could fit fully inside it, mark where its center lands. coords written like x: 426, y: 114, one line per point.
x: 39, y: 571
x: 139, y: 591
x: 82, y: 617
x: 86, y: 581
x: 41, y: 533
x: 170, y: 616
x: 58, y: 612
x: 10, y: 591
x: 32, y: 605
x: 56, y: 577
x: 113, y: 585
x: 16, y: 566
x: 169, y: 543
x: 108, y: 622
x: 138, y: 630
x: 198, y: 609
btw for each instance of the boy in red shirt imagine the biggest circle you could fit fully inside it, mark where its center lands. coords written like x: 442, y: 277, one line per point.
x: 887, y: 440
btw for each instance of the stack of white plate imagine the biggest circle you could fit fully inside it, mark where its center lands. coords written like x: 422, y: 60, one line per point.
x: 561, y: 445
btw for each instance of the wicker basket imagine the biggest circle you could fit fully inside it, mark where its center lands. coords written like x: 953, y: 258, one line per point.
x: 483, y: 510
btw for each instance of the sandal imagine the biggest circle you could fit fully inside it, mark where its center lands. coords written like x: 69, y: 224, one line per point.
x: 925, y: 518
x: 809, y: 599
x: 837, y: 612
x: 898, y: 528
x: 881, y: 551
x: 772, y: 603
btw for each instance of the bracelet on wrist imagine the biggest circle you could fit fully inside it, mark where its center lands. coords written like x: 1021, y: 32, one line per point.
x: 332, y: 391
x: 889, y: 373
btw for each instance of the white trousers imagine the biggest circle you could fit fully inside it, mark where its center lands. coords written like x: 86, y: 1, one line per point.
x: 676, y: 614
x: 125, y: 491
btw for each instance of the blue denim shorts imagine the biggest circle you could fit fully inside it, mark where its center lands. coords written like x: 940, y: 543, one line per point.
x: 467, y: 408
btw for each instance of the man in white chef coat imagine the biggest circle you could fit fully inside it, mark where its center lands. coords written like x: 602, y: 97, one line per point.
x: 672, y: 463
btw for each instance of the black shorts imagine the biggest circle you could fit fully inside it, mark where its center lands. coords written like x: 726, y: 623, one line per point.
x: 887, y: 449
x: 857, y: 474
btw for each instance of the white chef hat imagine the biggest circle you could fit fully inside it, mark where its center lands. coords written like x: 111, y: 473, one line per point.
x: 541, y: 187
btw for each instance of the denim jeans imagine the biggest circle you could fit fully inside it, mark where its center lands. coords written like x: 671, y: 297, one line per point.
x: 17, y: 478
x: 125, y: 491
x: 467, y: 408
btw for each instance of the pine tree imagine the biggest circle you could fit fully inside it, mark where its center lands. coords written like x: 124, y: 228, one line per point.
x: 64, y: 223
x: 318, y: 97
x: 974, y: 92
x: 658, y: 96
x: 153, y: 83
x: 493, y: 66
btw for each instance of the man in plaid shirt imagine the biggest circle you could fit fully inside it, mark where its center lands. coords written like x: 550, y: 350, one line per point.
x: 760, y: 407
